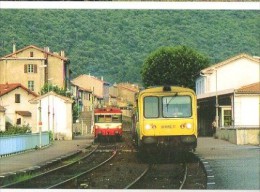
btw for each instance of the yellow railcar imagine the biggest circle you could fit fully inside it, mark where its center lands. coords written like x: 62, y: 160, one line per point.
x: 166, y: 117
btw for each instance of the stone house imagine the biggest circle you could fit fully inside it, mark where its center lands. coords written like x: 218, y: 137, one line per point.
x: 14, y: 98
x: 33, y: 67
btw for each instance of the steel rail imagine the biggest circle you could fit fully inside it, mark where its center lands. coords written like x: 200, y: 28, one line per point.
x: 83, y: 173
x: 184, y: 177
x: 138, y: 178
x: 52, y: 170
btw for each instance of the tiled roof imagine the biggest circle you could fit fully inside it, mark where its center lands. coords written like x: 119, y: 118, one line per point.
x: 66, y: 99
x: 80, y: 87
x: 128, y: 87
x: 84, y: 89
x: 34, y: 47
x: 6, y: 88
x: 252, y: 88
x: 89, y: 76
x: 24, y: 113
x: 243, y: 55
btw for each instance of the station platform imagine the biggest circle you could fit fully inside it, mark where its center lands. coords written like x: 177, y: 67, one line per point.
x: 35, y: 158
x: 230, y: 166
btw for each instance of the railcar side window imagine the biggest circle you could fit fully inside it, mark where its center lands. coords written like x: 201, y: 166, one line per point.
x: 177, y: 106
x: 116, y: 118
x: 99, y: 118
x: 151, y: 107
x: 108, y: 118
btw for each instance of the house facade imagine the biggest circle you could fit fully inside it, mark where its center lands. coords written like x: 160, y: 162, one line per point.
x: 83, y: 97
x: 220, y: 94
x: 90, y: 91
x: 124, y: 92
x: 53, y: 112
x: 14, y: 98
x: 33, y: 67
x: 122, y: 95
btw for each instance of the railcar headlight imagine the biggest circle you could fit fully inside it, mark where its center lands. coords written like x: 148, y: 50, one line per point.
x: 150, y: 126
x: 188, y: 125
x: 147, y: 127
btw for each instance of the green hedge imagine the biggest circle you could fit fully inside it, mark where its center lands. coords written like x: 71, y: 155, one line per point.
x: 15, y: 129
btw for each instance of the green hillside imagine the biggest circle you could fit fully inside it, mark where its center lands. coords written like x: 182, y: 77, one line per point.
x: 114, y: 43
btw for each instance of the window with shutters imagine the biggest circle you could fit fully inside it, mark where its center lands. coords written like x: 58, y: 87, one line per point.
x: 30, y: 68
x: 18, y: 121
x: 31, y: 85
x: 17, y: 98
x: 31, y: 54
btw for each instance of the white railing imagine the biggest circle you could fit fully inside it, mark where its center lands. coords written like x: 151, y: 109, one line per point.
x: 17, y: 143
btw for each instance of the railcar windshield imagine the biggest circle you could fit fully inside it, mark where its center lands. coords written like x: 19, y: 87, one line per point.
x: 108, y: 118
x: 151, y: 107
x: 176, y: 106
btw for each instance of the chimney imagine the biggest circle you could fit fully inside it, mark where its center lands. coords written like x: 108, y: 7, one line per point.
x: 47, y: 49
x: 14, y: 47
x: 6, y: 86
x: 62, y: 53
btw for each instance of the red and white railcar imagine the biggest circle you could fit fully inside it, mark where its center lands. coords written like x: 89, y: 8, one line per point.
x: 108, y: 122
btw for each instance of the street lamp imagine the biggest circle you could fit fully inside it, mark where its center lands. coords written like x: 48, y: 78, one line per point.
x: 40, y: 109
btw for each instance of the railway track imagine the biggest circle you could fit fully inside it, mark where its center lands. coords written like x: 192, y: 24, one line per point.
x: 74, y: 180
x: 117, y: 165
x: 134, y: 184
x: 161, y: 176
x: 55, y: 177
x: 170, y: 173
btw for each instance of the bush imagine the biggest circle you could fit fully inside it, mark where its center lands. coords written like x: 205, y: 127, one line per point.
x: 50, y: 136
x: 15, y: 129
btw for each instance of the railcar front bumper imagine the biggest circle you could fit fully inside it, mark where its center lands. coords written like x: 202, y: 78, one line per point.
x: 108, y: 132
x: 172, y: 141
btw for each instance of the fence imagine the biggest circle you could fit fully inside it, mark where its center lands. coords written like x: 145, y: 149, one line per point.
x: 18, y: 143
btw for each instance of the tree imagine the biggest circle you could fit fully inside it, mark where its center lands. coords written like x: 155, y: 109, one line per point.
x: 60, y: 91
x: 173, y: 66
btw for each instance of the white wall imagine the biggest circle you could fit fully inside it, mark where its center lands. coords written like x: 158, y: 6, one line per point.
x: 60, y: 116
x: 246, y: 110
x: 234, y: 75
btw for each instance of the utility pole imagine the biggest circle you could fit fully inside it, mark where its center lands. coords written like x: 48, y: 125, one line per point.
x: 217, y: 118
